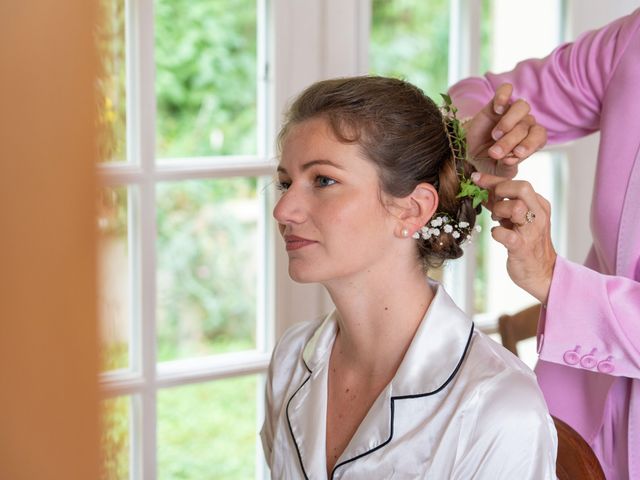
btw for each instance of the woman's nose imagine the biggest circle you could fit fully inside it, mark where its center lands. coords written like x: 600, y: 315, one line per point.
x: 289, y: 208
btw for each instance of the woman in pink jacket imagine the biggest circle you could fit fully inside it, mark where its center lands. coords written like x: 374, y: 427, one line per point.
x: 589, y: 330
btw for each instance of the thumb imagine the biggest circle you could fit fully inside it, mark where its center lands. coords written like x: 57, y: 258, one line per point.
x: 486, y: 180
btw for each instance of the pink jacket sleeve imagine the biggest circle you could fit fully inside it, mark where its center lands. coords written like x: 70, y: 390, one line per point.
x: 592, y: 320
x: 565, y: 89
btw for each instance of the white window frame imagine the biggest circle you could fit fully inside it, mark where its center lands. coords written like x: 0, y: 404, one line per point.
x: 303, y: 42
x: 145, y: 377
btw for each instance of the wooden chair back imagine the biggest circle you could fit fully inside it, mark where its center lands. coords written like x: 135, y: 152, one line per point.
x: 519, y: 326
x: 576, y: 460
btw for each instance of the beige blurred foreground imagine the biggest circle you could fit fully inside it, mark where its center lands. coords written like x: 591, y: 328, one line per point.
x: 48, y: 357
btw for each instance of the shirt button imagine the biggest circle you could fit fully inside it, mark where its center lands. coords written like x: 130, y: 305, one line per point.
x: 572, y: 357
x: 589, y: 361
x: 606, y: 366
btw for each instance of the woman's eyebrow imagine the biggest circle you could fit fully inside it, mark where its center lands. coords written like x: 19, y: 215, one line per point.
x: 312, y: 163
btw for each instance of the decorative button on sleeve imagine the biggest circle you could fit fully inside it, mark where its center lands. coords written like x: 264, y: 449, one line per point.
x: 606, y: 366
x: 572, y: 357
x: 589, y: 360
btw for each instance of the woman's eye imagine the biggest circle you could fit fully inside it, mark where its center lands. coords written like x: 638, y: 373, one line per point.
x: 282, y: 186
x: 323, y: 181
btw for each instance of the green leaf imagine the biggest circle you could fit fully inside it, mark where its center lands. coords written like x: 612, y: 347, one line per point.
x: 471, y: 190
x: 446, y: 98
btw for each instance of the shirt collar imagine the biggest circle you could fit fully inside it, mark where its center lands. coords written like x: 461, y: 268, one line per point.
x: 431, y: 361
x: 433, y: 356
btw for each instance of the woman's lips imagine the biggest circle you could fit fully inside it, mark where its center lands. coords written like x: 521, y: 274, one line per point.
x: 294, y: 243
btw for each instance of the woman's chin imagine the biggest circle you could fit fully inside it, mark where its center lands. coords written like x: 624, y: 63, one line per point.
x: 304, y: 273
x: 301, y: 276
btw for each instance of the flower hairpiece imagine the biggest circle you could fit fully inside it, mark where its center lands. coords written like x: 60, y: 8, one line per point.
x: 458, y: 143
x: 442, y: 223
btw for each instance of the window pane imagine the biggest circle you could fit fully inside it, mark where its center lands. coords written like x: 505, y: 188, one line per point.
x: 110, y: 38
x: 409, y: 40
x: 485, y: 36
x: 208, y: 431
x: 480, y: 279
x: 115, y: 443
x: 207, y: 262
x: 115, y: 281
x: 205, y: 77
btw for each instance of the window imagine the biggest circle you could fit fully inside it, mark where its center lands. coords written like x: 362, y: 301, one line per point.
x: 545, y: 170
x: 406, y: 41
x: 184, y: 237
x: 190, y: 273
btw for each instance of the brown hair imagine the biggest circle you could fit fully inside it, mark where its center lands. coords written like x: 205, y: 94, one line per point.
x: 402, y: 132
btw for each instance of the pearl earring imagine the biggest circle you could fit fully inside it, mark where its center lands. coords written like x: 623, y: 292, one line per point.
x: 404, y: 232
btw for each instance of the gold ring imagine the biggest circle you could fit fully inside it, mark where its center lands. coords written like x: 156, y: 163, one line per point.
x: 530, y: 216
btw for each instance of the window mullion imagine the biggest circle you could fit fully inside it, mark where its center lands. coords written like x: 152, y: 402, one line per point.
x: 464, y: 39
x: 143, y: 84
x: 464, y: 60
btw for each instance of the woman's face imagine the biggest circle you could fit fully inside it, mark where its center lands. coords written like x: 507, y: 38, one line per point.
x: 329, y: 213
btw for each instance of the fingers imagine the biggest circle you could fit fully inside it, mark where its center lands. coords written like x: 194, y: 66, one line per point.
x: 486, y: 180
x: 517, y: 134
x: 502, y: 97
x: 513, y: 210
x: 545, y: 204
x: 510, y: 239
x: 503, y: 134
x: 504, y: 169
x: 524, y: 231
x: 516, y: 113
x: 534, y: 141
x: 512, y: 189
x: 512, y: 142
x: 512, y: 128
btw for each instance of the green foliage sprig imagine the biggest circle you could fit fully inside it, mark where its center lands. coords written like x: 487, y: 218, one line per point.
x: 470, y: 189
x: 458, y: 143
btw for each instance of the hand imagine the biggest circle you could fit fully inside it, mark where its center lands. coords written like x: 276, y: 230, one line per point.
x: 501, y: 135
x: 525, y: 230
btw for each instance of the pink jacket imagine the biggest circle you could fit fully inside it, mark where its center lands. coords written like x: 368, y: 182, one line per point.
x: 589, y: 336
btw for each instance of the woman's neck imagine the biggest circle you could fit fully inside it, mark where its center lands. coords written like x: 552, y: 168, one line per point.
x: 378, y: 315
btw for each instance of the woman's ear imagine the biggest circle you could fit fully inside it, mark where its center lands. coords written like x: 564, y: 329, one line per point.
x: 419, y: 206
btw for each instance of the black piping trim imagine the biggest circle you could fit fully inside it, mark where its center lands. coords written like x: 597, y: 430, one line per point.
x: 402, y: 397
x: 392, y: 406
x: 289, y: 421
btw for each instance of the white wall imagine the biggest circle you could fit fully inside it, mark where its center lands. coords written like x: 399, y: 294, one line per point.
x: 314, y: 40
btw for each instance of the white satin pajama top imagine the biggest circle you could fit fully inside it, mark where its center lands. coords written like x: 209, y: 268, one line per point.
x: 459, y: 407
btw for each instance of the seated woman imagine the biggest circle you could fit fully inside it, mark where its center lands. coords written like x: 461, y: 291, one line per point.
x: 396, y: 382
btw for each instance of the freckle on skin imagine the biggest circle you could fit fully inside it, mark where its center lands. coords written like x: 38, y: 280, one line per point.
x: 346, y: 391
